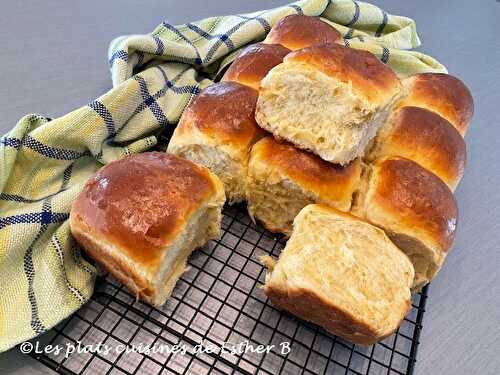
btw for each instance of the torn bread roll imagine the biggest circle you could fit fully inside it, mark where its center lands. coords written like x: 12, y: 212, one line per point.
x: 426, y: 138
x: 414, y: 207
x: 328, y: 99
x: 298, y: 31
x: 254, y: 62
x: 343, y: 274
x: 283, y: 179
x: 441, y: 93
x: 142, y: 216
x: 217, y: 130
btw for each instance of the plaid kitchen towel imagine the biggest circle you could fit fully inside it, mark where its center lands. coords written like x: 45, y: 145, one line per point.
x: 44, y: 163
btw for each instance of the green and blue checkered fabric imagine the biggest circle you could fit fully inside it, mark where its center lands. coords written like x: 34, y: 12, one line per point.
x: 44, y: 163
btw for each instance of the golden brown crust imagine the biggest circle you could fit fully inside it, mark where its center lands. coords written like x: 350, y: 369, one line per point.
x: 416, y: 198
x: 377, y: 82
x: 120, y: 270
x: 225, y: 111
x: 297, y: 31
x: 253, y: 63
x: 443, y: 94
x: 426, y: 138
x: 332, y: 182
x: 141, y: 203
x: 310, y: 306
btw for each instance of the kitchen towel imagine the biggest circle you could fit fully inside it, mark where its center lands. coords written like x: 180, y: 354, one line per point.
x: 44, y: 162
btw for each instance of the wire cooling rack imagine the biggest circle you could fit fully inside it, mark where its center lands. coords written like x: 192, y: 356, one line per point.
x: 218, y: 300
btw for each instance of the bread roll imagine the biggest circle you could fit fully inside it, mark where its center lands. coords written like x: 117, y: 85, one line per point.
x: 328, y: 99
x: 426, y: 138
x: 142, y: 216
x: 254, y: 62
x: 415, y: 208
x: 282, y: 180
x: 297, y: 32
x: 343, y: 274
x: 441, y: 93
x: 217, y: 130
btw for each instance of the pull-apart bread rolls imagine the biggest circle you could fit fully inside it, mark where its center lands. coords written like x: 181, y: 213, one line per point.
x: 254, y: 62
x: 297, y: 32
x: 283, y: 179
x: 217, y: 130
x: 441, y: 93
x: 142, y: 216
x: 415, y: 208
x: 343, y: 274
x: 290, y: 33
x: 426, y: 138
x: 328, y: 99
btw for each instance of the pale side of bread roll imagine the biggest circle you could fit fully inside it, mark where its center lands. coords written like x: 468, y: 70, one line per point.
x: 283, y: 179
x: 441, y: 93
x: 254, y: 62
x: 328, y: 99
x: 343, y: 274
x: 426, y: 138
x: 414, y: 207
x: 298, y: 31
x: 217, y: 130
x: 142, y: 216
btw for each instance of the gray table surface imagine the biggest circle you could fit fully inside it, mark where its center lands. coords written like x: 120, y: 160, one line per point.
x: 54, y: 60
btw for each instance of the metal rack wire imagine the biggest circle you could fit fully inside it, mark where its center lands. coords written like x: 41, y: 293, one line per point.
x: 218, y: 300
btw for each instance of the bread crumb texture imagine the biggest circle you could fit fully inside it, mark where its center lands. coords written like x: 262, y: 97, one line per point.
x: 355, y: 278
